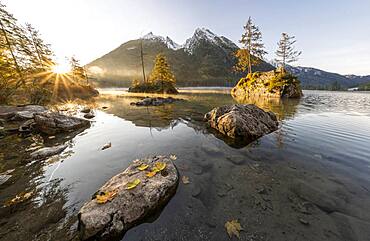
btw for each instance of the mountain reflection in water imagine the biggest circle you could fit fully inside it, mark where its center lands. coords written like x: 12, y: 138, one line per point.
x: 315, y: 168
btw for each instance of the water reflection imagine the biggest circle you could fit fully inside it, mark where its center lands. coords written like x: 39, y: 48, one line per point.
x: 284, y: 108
x: 320, y: 154
x: 191, y: 110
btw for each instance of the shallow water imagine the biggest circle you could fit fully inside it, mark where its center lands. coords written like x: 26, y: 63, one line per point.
x: 323, y: 143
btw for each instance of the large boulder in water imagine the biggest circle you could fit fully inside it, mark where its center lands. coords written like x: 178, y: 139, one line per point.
x: 52, y: 123
x: 127, y: 207
x: 276, y: 83
x: 242, y: 122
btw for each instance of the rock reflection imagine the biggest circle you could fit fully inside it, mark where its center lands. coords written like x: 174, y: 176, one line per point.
x: 284, y: 108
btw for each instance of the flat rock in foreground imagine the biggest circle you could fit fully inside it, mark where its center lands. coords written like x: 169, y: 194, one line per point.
x: 128, y: 207
x: 244, y: 122
x: 20, y: 112
x: 52, y: 123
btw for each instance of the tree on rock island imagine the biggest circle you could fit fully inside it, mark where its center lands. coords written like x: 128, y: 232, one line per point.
x: 252, y: 50
x: 161, y: 71
x: 286, y: 52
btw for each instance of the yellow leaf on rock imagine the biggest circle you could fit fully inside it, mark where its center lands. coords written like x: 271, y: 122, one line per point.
x: 160, y: 166
x: 151, y: 174
x: 142, y: 167
x: 233, y: 227
x: 133, y: 184
x: 104, y: 197
x: 185, y: 180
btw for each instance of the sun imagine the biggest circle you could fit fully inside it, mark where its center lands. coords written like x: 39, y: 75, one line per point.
x: 62, y: 68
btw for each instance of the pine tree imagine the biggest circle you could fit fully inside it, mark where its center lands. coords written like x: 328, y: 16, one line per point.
x: 286, y: 52
x: 9, y: 41
x: 78, y: 72
x: 252, y: 50
x: 41, y: 50
x: 161, y: 71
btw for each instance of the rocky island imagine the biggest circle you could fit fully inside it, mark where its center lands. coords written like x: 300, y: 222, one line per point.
x: 161, y: 79
x: 276, y: 83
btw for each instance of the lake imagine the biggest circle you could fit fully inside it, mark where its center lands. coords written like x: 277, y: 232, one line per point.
x: 310, y: 180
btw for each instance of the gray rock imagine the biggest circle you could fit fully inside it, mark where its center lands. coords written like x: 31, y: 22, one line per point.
x: 155, y: 101
x: 327, y: 203
x: 4, y: 176
x: 129, y: 207
x: 48, y: 151
x: 20, y: 112
x: 89, y: 116
x: 247, y: 122
x: 26, y: 126
x: 52, y: 123
x: 86, y: 110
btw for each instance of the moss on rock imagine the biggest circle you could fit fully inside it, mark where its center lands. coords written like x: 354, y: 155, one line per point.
x: 276, y: 83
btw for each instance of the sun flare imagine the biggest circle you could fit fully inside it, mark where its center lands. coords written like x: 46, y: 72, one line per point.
x: 61, y: 68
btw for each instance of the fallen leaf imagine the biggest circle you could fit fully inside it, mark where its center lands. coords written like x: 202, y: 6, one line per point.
x: 133, y: 184
x: 233, y: 227
x: 173, y: 157
x: 142, y: 167
x: 185, y: 180
x: 104, y: 197
x: 106, y: 146
x: 160, y: 166
x: 151, y: 174
x: 21, y: 197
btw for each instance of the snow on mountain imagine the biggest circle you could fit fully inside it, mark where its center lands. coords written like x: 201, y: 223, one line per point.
x: 200, y: 34
x: 167, y: 41
x: 203, y: 34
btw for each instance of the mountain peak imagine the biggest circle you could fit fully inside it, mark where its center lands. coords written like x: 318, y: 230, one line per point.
x: 206, y: 35
x: 166, y: 40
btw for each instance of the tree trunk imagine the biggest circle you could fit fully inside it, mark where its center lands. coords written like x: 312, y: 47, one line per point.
x: 142, y: 60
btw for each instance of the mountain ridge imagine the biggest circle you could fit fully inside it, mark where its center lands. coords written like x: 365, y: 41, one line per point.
x: 203, y: 59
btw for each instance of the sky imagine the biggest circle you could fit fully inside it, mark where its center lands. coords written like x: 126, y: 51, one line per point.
x: 334, y: 35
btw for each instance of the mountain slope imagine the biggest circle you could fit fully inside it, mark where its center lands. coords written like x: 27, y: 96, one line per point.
x: 204, y: 59
x: 312, y: 78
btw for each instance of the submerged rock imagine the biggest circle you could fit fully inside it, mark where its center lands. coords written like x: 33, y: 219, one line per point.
x: 52, y: 123
x: 244, y: 122
x: 275, y: 83
x: 129, y: 207
x: 155, y: 101
x: 48, y: 151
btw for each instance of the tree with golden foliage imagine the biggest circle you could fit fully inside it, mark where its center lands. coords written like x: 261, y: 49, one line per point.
x: 161, y: 71
x: 252, y: 50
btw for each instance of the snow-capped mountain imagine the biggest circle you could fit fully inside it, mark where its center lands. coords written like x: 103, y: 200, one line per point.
x: 205, y: 58
x: 166, y: 40
x: 205, y: 35
x: 200, y: 36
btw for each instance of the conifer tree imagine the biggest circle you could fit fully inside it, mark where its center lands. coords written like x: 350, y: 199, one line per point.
x: 252, y: 50
x: 286, y: 52
x: 78, y: 72
x: 161, y: 71
x: 42, y: 57
x: 9, y: 41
